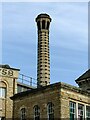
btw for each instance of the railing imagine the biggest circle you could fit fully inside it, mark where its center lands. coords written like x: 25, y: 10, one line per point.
x: 24, y: 79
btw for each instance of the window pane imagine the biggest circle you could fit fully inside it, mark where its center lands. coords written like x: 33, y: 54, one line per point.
x: 80, y: 111
x: 88, y: 112
x: 72, y: 108
x: 2, y: 92
x: 50, y: 111
x: 23, y: 114
x: 36, y: 112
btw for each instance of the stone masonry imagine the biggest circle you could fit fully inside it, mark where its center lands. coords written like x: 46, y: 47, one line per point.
x: 8, y: 77
x: 43, y: 65
x: 60, y: 94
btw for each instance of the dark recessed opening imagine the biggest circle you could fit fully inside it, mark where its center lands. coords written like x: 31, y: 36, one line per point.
x: 47, y: 25
x: 38, y: 24
x: 43, y: 24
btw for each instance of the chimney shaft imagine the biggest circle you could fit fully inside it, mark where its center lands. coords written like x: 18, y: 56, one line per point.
x: 43, y: 63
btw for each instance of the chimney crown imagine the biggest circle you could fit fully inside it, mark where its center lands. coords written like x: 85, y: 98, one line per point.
x: 43, y: 15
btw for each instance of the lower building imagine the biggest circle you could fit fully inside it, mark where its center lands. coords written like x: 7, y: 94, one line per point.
x: 55, y: 101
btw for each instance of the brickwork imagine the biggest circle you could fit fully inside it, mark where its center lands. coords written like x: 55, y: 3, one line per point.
x: 58, y: 94
x: 10, y: 84
x: 40, y: 98
x: 43, y: 66
x: 67, y: 96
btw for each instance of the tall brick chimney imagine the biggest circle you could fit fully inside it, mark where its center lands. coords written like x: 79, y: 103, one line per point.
x: 43, y: 63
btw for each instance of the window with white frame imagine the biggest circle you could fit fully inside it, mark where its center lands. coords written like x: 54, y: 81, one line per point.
x: 2, y: 92
x: 87, y: 112
x: 36, y: 112
x: 50, y: 111
x: 23, y: 114
x: 72, y: 108
x: 80, y: 112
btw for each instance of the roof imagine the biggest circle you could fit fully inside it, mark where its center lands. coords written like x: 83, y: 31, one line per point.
x: 8, y: 67
x: 25, y: 85
x: 84, y: 76
x: 43, y: 15
x: 58, y: 85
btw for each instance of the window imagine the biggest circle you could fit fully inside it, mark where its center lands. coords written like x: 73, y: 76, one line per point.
x: 50, y: 111
x: 23, y: 114
x: 72, y: 107
x: 80, y: 111
x: 87, y: 112
x: 36, y: 112
x: 2, y: 92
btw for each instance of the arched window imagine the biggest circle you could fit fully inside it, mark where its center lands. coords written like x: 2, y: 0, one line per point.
x: 50, y: 111
x: 23, y: 114
x: 36, y: 112
x: 2, y: 90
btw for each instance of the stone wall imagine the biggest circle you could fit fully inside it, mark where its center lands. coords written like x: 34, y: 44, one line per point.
x: 68, y: 95
x: 40, y: 98
x: 59, y: 94
x: 6, y: 104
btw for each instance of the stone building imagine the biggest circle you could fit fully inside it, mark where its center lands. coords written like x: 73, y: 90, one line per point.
x: 9, y: 85
x: 57, y: 100
x: 47, y: 101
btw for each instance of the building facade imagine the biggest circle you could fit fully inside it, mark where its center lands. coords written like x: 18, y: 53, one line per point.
x: 56, y: 101
x: 9, y: 86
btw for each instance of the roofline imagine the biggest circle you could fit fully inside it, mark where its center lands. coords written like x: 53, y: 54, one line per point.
x: 25, y: 85
x: 3, y: 66
x: 52, y: 86
x: 78, y: 79
x: 14, y: 69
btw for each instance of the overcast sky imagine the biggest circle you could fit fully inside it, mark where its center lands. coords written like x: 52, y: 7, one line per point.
x: 68, y: 38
